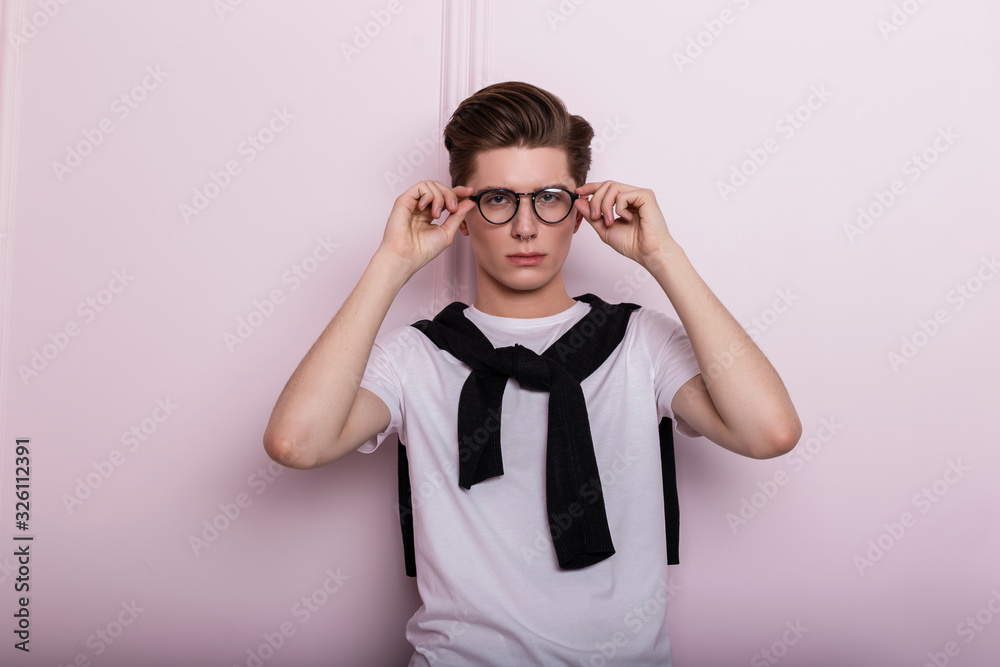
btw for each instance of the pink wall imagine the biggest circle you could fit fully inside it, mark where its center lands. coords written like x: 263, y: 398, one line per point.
x: 878, y: 534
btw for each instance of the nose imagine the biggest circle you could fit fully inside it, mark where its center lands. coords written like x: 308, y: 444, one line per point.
x: 525, y: 223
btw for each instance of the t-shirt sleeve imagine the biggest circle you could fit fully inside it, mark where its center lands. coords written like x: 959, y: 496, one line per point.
x: 674, y: 363
x: 381, y: 379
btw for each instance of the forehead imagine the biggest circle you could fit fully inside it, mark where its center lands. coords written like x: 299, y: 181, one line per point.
x: 521, y: 168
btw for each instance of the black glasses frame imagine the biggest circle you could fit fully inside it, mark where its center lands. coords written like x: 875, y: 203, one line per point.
x: 517, y: 203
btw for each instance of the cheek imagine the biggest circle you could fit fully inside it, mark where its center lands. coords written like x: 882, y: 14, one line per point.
x: 564, y: 239
x: 483, y: 244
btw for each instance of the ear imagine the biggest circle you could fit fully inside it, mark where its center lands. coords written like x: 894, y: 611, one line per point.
x: 463, y: 228
x: 579, y: 219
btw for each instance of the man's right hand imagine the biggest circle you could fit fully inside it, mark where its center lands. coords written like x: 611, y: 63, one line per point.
x: 410, y: 233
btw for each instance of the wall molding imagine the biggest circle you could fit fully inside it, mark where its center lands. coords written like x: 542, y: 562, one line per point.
x: 11, y: 13
x: 466, y: 66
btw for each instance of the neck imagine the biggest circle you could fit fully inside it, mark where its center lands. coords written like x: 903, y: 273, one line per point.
x: 501, y: 301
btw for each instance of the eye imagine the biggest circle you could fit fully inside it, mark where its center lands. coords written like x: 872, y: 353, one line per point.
x: 497, y: 198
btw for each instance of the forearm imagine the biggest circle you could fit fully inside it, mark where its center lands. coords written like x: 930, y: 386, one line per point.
x: 745, y: 388
x: 313, y: 408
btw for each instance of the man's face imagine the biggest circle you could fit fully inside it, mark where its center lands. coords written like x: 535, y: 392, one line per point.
x: 520, y: 170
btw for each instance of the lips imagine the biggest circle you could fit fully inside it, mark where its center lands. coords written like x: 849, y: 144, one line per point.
x: 526, y: 258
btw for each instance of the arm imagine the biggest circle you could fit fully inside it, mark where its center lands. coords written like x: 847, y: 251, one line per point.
x: 320, y: 415
x: 739, y: 401
x: 313, y: 408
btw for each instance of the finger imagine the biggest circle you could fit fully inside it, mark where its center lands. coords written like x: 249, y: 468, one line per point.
x: 618, y: 195
x: 437, y: 198
x: 450, y: 198
x: 599, y: 226
x: 597, y: 195
x: 452, y: 222
x: 585, y: 191
x: 445, y: 198
x: 624, y: 200
x: 456, y: 193
x: 420, y: 193
x: 608, y: 201
x: 597, y: 200
x: 461, y: 211
x: 583, y: 206
x: 427, y: 196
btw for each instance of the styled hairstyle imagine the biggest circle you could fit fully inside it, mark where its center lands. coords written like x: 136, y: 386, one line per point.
x: 515, y: 114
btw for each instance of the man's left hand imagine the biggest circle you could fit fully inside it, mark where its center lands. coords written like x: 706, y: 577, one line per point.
x: 640, y: 232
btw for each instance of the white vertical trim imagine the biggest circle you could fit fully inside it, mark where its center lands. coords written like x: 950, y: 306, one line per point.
x: 466, y: 59
x: 11, y: 13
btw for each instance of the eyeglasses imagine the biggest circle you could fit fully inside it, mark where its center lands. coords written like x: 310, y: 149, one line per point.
x: 499, y: 206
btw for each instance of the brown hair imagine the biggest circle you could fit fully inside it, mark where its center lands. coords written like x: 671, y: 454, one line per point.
x: 518, y: 114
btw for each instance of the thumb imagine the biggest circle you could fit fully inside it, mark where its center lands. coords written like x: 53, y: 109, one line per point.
x: 599, y: 225
x: 583, y: 206
x: 455, y: 219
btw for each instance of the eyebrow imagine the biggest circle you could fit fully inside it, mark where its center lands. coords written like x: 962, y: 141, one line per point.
x: 504, y: 187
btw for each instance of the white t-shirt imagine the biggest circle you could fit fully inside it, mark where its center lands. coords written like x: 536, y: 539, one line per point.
x: 487, y: 573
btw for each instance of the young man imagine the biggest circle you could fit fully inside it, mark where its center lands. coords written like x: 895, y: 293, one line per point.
x: 539, y: 523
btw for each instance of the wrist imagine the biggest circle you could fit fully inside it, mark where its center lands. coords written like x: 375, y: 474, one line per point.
x: 391, y: 267
x: 668, y: 256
